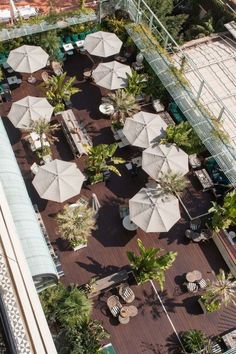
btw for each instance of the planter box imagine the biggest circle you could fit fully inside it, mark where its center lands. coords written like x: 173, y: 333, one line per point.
x: 202, y: 306
x: 76, y: 248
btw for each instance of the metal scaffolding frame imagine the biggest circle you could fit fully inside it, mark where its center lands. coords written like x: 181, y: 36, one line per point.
x: 186, y: 97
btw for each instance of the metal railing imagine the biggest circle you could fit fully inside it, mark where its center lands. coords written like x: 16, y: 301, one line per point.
x: 29, y: 29
x: 147, y: 33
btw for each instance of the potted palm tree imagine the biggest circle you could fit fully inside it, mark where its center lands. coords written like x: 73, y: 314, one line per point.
x: 172, y: 182
x: 124, y: 106
x: 59, y: 89
x: 76, y: 222
x: 45, y: 131
x: 100, y: 160
x: 150, y: 265
x: 219, y: 292
x: 194, y: 342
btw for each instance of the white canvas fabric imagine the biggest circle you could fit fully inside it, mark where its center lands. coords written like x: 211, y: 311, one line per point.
x: 102, y: 44
x: 27, y: 59
x: 28, y: 110
x: 153, y: 211
x: 111, y: 75
x: 58, y: 181
x: 162, y: 158
x: 144, y: 128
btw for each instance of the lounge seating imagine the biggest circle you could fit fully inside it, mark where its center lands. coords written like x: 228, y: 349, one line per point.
x: 114, y: 305
x: 126, y: 293
x: 45, y: 76
x: 202, y: 284
x: 191, y: 287
x: 57, y: 68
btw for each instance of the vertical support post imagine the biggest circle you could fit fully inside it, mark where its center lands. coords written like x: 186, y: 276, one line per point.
x: 221, y: 113
x: 200, y: 89
x: 138, y: 12
x: 166, y: 42
x: 151, y: 22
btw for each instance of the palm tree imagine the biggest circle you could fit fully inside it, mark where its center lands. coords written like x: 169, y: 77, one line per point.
x: 100, y: 160
x: 124, y: 105
x: 221, y: 291
x: 194, y: 341
x: 172, y: 182
x: 76, y: 223
x: 50, y: 42
x: 59, y: 90
x: 76, y: 308
x: 45, y: 131
x: 150, y: 265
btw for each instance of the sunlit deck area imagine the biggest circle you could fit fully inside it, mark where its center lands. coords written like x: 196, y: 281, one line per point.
x: 151, y: 331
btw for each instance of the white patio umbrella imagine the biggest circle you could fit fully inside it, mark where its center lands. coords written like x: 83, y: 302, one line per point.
x: 28, y: 110
x: 58, y: 181
x: 153, y: 211
x: 102, y: 44
x: 143, y: 128
x: 27, y: 59
x: 162, y: 158
x: 111, y: 75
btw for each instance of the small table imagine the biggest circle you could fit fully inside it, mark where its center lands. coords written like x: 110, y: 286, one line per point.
x: 193, y: 276
x: 68, y: 46
x: 31, y: 80
x: 230, y: 339
x: 128, y: 224
x: 106, y: 108
x: 79, y: 44
x: 204, y: 179
x: 12, y: 80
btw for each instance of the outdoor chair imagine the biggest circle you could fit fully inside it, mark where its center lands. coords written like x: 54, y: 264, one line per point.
x: 126, y: 293
x: 191, y: 287
x: 114, y: 305
x: 45, y: 76
x: 202, y: 284
x: 57, y: 68
x: 195, y: 224
x: 34, y: 168
x: 123, y: 211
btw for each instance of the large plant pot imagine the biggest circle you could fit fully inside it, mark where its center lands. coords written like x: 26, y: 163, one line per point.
x: 77, y: 248
x: 202, y: 305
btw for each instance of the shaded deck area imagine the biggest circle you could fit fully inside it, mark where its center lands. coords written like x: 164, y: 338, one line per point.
x: 150, y: 332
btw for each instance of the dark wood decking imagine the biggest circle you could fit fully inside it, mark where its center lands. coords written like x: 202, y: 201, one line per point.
x: 149, y: 332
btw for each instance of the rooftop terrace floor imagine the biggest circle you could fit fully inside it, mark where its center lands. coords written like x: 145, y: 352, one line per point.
x: 150, y: 332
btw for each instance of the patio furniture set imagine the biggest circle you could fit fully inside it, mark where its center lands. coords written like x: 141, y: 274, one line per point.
x: 195, y: 282
x: 123, y: 312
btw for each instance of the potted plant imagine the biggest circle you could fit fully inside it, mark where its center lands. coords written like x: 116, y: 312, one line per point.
x: 124, y: 105
x: 219, y: 292
x: 224, y: 215
x: 100, y: 160
x: 76, y: 222
x: 194, y: 341
x: 136, y: 84
x: 150, y: 265
x: 172, y: 182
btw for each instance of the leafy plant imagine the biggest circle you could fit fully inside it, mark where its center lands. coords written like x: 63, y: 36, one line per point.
x: 150, y: 265
x: 76, y: 223
x: 100, y: 160
x: 136, y: 83
x: 86, y: 337
x: 184, y: 137
x: 60, y: 89
x: 117, y: 26
x: 224, y: 215
x: 220, y: 292
x: 1, y: 74
x: 124, y: 105
x: 172, y: 182
x: 194, y: 341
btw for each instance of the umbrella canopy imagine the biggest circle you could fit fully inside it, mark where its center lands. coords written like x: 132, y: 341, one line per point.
x: 143, y: 128
x: 27, y: 58
x: 111, y: 75
x: 28, y: 110
x: 153, y: 211
x: 102, y: 44
x: 58, y: 181
x: 164, y: 158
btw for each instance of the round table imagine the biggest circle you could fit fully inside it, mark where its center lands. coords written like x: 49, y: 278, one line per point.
x: 106, y: 108
x: 128, y: 224
x: 132, y: 311
x: 193, y: 276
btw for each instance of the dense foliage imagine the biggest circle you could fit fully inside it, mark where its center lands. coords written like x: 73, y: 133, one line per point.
x: 224, y: 215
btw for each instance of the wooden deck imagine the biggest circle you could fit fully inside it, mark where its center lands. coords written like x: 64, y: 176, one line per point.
x: 151, y: 331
